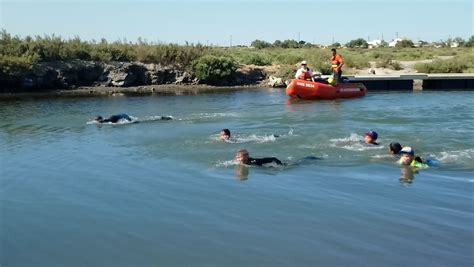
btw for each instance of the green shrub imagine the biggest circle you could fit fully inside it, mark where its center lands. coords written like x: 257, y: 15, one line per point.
x: 256, y: 59
x: 286, y: 72
x: 214, y: 69
x: 453, y: 65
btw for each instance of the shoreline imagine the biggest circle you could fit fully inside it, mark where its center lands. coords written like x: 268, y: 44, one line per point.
x: 144, y: 90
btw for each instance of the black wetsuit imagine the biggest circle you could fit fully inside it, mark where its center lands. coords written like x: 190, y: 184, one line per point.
x: 261, y: 161
x: 116, y: 118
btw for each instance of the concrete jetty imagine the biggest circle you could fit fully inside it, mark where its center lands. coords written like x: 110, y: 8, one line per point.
x: 406, y: 82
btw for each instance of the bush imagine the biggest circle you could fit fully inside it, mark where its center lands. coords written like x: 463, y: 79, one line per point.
x: 358, y: 43
x: 405, y: 44
x: 259, y: 44
x: 214, y: 69
x: 256, y: 59
x: 286, y: 72
x: 454, y: 65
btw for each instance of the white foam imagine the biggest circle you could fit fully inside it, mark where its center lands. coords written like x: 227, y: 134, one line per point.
x: 454, y: 156
x: 226, y: 163
x: 354, y: 143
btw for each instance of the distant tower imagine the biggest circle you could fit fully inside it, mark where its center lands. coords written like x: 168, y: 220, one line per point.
x: 230, y: 40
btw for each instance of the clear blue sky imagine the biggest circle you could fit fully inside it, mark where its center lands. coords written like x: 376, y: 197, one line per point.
x: 215, y: 20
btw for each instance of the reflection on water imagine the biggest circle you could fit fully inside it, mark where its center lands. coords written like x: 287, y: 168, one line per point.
x: 407, y: 175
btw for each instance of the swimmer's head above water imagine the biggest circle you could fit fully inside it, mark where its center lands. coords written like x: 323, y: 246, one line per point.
x: 407, y: 155
x: 394, y: 148
x: 370, y: 137
x: 99, y: 119
x: 242, y: 156
x: 224, y: 135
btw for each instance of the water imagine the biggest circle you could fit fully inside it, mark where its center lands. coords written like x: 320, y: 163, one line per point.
x: 166, y: 193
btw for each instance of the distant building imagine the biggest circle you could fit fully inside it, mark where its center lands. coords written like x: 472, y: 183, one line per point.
x: 454, y: 45
x: 394, y: 42
x: 374, y: 43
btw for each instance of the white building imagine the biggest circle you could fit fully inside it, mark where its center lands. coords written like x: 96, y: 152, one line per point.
x: 374, y: 43
x: 394, y: 42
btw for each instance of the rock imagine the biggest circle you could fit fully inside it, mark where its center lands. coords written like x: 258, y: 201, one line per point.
x: 127, y: 74
x: 183, y: 78
x: 276, y: 82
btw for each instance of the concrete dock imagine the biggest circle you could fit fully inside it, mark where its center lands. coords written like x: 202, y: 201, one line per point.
x: 407, y: 82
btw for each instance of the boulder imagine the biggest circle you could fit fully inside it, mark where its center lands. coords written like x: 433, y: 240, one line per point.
x: 276, y: 82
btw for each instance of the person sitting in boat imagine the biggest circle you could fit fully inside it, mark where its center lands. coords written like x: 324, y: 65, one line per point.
x: 370, y: 137
x: 408, y: 158
x: 242, y: 156
x: 304, y: 73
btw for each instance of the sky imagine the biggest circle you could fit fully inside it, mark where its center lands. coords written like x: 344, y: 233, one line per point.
x: 220, y: 22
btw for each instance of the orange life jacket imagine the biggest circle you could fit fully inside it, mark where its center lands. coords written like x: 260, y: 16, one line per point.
x: 336, y: 61
x: 305, y: 75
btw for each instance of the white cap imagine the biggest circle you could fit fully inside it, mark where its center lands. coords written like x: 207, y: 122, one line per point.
x: 407, y: 150
x: 303, y: 62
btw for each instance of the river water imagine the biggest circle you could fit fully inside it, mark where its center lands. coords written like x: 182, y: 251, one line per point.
x: 167, y: 193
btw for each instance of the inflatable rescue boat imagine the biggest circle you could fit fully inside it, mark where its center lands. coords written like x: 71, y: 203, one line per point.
x: 318, y: 90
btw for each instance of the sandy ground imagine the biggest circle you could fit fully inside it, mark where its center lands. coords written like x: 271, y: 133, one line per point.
x: 406, y: 65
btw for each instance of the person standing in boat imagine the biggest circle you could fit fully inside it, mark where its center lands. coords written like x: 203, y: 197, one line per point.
x: 304, y: 73
x: 336, y: 63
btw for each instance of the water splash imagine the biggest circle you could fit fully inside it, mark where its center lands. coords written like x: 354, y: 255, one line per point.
x: 354, y: 143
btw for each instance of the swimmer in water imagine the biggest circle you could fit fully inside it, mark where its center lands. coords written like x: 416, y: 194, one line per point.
x: 408, y: 158
x: 225, y: 135
x: 113, y: 118
x: 394, y: 148
x: 242, y: 156
x: 370, y: 137
x: 123, y: 116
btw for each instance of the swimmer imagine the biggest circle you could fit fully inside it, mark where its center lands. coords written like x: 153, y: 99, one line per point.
x: 408, y: 158
x: 114, y: 118
x: 394, y: 148
x: 242, y: 157
x: 224, y: 135
x: 123, y: 116
x: 370, y: 137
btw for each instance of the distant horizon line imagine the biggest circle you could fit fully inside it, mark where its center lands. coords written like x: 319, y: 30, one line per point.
x: 207, y: 43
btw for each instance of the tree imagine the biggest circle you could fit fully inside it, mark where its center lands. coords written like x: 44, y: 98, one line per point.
x: 336, y: 45
x: 277, y: 43
x: 259, y: 44
x: 405, y: 43
x: 460, y: 41
x: 358, y: 43
x: 470, y: 42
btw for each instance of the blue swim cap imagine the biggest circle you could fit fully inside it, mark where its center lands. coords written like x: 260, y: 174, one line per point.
x: 372, y: 134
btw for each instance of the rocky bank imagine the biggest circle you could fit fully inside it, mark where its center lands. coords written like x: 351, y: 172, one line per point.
x: 70, y: 75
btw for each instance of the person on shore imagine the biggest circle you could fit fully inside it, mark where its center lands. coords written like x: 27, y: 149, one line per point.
x: 408, y: 158
x: 242, y: 156
x: 370, y: 137
x: 304, y: 73
x: 114, y: 118
x: 224, y: 135
x: 336, y: 64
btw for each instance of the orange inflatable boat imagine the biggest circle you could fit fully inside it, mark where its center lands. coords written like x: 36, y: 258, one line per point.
x: 317, y: 90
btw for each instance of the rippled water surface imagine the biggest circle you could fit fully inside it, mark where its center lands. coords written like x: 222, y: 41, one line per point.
x: 167, y: 193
